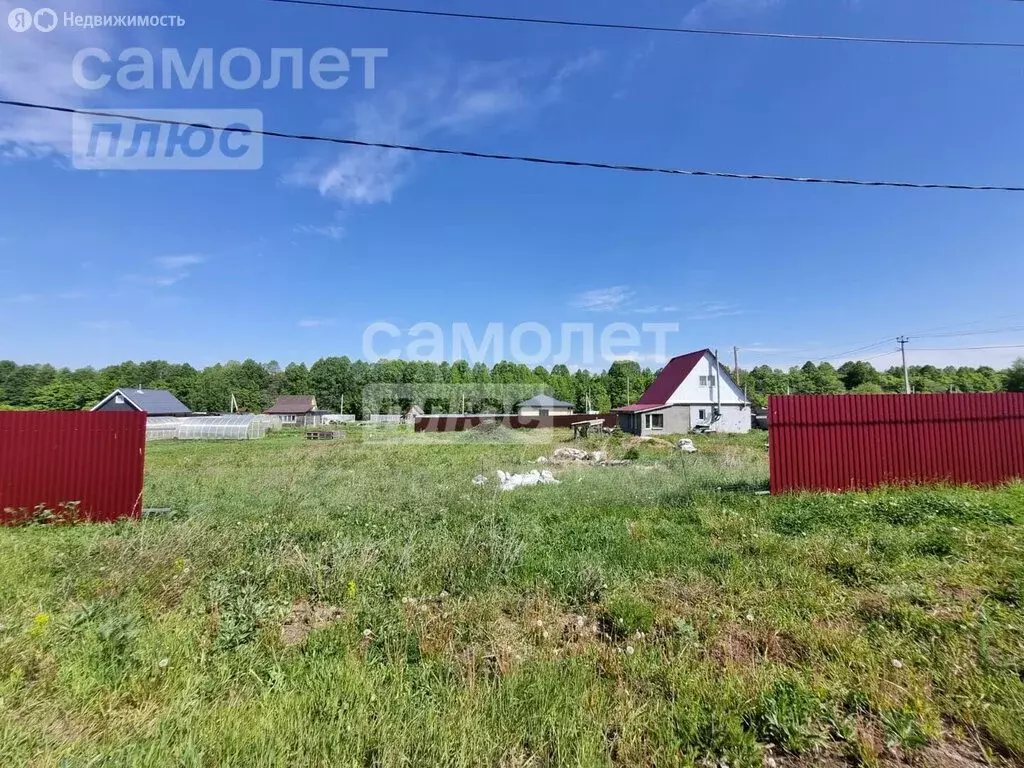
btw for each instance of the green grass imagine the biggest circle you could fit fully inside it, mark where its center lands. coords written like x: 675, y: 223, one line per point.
x: 361, y: 602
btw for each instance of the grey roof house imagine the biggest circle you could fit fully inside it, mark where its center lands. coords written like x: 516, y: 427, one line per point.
x: 544, y: 405
x: 153, y: 402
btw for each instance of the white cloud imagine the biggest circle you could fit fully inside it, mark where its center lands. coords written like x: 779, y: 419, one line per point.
x: 332, y: 231
x: 24, y: 298
x: 439, y: 103
x: 316, y: 322
x: 714, y: 310
x: 726, y: 10
x: 36, y: 67
x: 603, y: 299
x: 174, y: 269
x: 179, y: 262
x: 29, y: 298
x: 654, y: 309
x: 588, y: 62
x: 164, y: 281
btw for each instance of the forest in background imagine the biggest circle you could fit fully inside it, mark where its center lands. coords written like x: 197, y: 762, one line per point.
x: 391, y: 385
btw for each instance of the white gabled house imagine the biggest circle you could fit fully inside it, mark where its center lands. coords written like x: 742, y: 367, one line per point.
x: 693, y: 393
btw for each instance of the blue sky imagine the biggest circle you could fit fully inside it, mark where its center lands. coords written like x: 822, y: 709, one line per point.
x: 294, y: 261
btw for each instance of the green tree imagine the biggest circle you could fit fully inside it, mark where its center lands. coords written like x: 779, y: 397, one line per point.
x: 331, y: 381
x: 868, y: 388
x: 295, y: 380
x: 855, y: 373
x: 63, y: 395
x: 1015, y: 376
x: 625, y: 382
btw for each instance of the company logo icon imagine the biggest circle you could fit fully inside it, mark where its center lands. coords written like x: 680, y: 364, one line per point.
x: 45, y: 19
x: 22, y: 20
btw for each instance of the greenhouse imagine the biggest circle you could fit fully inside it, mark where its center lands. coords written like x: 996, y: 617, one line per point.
x: 237, y: 426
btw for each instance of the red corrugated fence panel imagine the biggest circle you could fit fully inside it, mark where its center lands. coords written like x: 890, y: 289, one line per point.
x: 54, y: 458
x: 840, y: 442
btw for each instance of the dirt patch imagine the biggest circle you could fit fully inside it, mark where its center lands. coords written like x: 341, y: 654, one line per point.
x: 870, y: 749
x: 960, y: 593
x: 649, y: 442
x: 738, y: 644
x: 684, y: 598
x: 305, y: 619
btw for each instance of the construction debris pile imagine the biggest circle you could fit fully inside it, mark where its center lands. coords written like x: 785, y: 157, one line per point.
x: 533, y: 477
x: 509, y: 482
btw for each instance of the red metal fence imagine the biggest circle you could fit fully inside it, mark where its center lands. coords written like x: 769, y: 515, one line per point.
x: 460, y: 423
x: 54, y: 458
x: 839, y: 442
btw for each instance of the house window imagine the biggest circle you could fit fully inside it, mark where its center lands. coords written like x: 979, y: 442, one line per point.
x: 544, y: 412
x: 288, y: 418
x: 654, y: 421
x: 702, y: 414
x: 707, y: 381
x: 118, y: 399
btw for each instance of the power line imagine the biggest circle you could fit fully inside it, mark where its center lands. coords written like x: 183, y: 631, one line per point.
x: 515, y: 158
x: 798, y: 353
x: 953, y: 326
x: 854, y: 351
x: 969, y: 333
x: 647, y: 27
x: 964, y: 349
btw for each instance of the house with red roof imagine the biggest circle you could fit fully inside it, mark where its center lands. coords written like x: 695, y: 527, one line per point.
x: 693, y: 393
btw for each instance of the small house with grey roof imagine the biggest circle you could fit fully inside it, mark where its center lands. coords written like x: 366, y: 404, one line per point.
x: 544, y: 405
x: 153, y: 402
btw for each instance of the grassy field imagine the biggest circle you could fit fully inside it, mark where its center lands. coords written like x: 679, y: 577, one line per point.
x: 364, y: 603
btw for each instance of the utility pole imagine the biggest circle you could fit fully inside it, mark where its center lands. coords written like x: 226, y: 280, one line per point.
x: 902, y: 341
x: 736, y: 363
x: 718, y: 384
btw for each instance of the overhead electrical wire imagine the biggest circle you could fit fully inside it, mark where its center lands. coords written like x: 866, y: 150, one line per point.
x: 955, y: 326
x: 964, y: 349
x: 514, y: 158
x: 647, y: 27
x: 855, y: 351
x: 954, y: 334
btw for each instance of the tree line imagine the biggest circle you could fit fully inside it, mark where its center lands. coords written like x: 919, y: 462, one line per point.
x: 360, y: 387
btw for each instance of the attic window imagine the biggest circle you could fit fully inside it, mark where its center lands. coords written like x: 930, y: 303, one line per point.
x: 119, y: 399
x: 707, y: 381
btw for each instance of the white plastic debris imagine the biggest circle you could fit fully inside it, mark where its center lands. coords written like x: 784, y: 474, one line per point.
x: 542, y: 460
x: 597, y: 456
x: 686, y: 445
x: 533, y: 477
x: 479, y: 480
